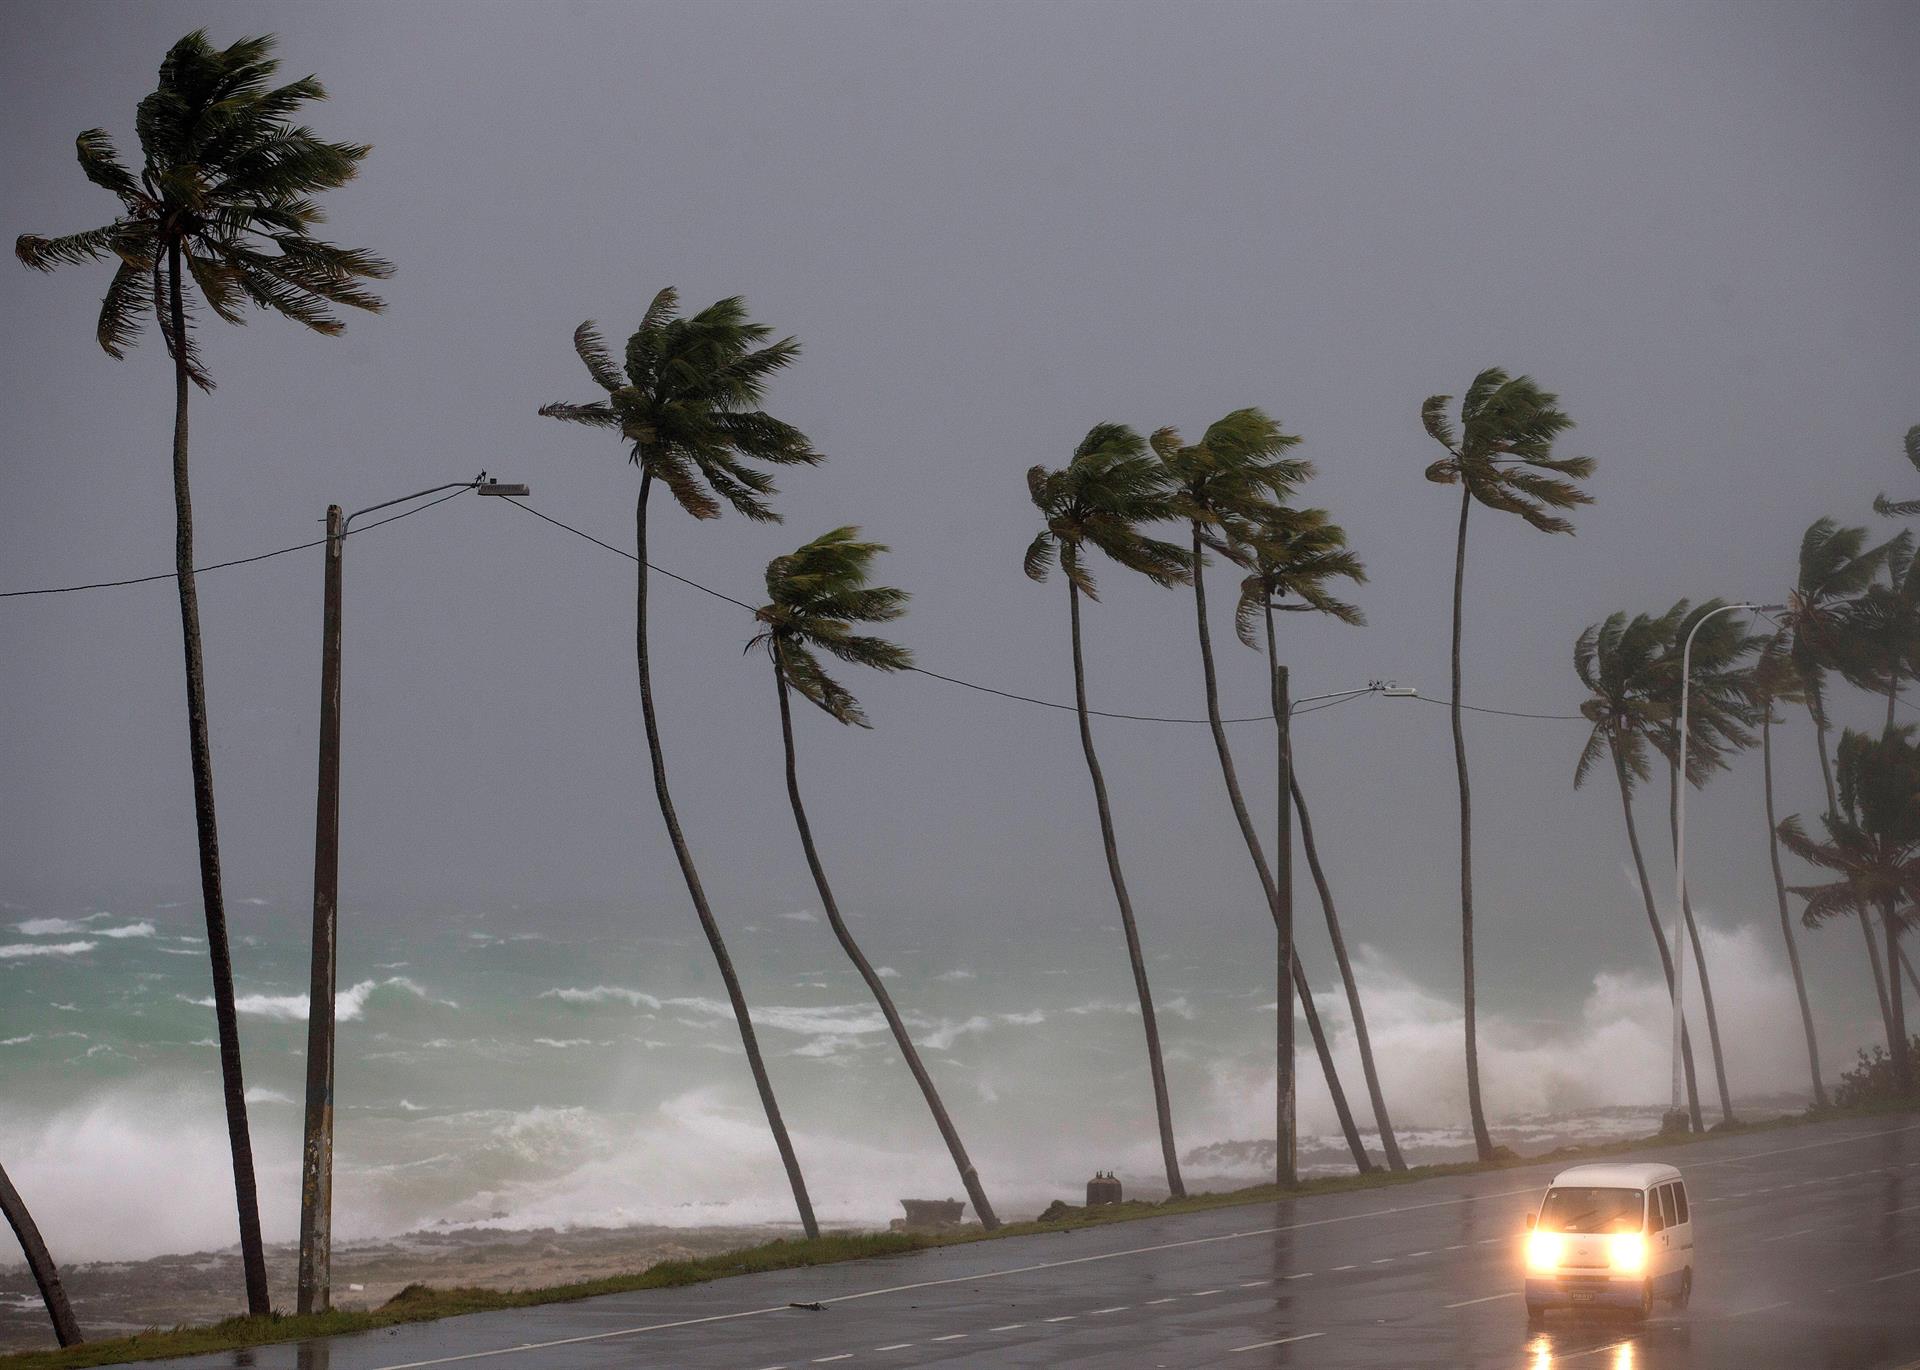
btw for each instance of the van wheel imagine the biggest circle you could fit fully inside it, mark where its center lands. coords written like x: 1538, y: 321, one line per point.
x: 1686, y: 1289
x: 1536, y: 1314
x: 1644, y: 1309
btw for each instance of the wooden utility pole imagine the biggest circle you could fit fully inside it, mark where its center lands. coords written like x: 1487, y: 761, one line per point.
x: 45, y: 1273
x: 316, y: 1157
x: 1286, y: 1158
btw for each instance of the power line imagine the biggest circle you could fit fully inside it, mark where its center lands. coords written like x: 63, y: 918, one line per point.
x: 222, y: 565
x: 1008, y: 694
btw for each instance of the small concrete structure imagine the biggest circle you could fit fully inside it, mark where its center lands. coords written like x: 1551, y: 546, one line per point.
x: 928, y: 1215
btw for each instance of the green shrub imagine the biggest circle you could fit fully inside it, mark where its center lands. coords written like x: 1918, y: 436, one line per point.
x: 1871, y: 1080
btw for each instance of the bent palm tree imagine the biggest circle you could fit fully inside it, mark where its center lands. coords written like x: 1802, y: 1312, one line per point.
x: 1836, y: 567
x: 1231, y: 476
x: 686, y: 401
x: 1873, y: 847
x: 224, y: 201
x: 1906, y: 508
x: 1884, y: 628
x: 1502, y: 458
x: 1101, y: 500
x: 1773, y: 680
x: 1719, y: 714
x: 45, y: 1273
x: 1292, y: 554
x: 816, y: 596
x: 1619, y: 662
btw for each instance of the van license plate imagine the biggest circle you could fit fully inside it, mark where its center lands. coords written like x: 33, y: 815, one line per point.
x: 1582, y: 1295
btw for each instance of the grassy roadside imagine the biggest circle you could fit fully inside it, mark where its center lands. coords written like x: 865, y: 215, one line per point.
x: 421, y: 1303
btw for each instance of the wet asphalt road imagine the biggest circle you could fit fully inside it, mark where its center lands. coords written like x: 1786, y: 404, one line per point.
x: 1808, y: 1255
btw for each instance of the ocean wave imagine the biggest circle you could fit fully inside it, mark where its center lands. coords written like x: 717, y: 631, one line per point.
x: 601, y: 994
x: 348, y: 1005
x: 15, y: 950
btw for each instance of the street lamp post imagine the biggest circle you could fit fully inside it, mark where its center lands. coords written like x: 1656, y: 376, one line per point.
x: 1677, y: 1105
x: 316, y: 1155
x: 1286, y: 1140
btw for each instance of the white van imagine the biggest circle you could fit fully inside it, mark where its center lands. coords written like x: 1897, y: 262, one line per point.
x: 1610, y: 1235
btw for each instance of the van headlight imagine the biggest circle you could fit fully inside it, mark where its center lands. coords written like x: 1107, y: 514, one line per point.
x: 1627, y: 1252
x: 1543, y: 1252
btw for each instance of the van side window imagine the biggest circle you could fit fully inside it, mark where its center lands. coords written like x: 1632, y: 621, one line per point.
x: 1655, y: 1219
x: 1666, y: 1206
x: 1680, y: 1201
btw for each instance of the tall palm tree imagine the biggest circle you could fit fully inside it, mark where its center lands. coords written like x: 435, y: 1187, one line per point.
x: 1291, y: 555
x: 1619, y: 660
x: 815, y: 598
x: 1502, y: 457
x: 1873, y: 848
x: 1101, y: 500
x: 1236, y: 471
x: 223, y: 207
x: 1887, y: 508
x: 686, y: 402
x: 1772, y: 681
x: 45, y: 1273
x: 1720, y: 714
x: 1836, y: 567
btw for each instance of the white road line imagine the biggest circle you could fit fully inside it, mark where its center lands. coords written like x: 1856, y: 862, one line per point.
x: 1338, y: 1268
x: 1468, y: 1303
x: 1594, y: 1351
x: 822, y: 1360
x: 1303, y: 1275
x: 897, y: 1346
x: 1749, y: 1312
x: 1068, y: 1317
x: 1003, y: 1327
x: 1202, y: 1293
x: 1253, y: 1284
x: 1412, y: 1254
x: 1382, y: 1261
x: 1896, y: 1275
x: 951, y: 1336
x: 1282, y: 1341
x: 1910, y: 1208
x: 1846, y: 1140
x: 1151, y: 1302
x: 1784, y: 1235
x: 1117, y: 1308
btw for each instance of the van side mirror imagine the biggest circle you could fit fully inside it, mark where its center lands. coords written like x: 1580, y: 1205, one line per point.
x: 1531, y: 1219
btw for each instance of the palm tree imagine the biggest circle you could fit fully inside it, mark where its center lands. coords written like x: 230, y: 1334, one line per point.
x: 224, y: 202
x: 1237, y: 470
x: 1618, y: 660
x: 1292, y: 554
x: 1836, y: 567
x: 686, y: 401
x: 1101, y: 500
x: 816, y: 596
x: 1720, y: 713
x: 1774, y: 680
x: 45, y: 1273
x: 1883, y: 631
x: 1873, y: 847
x: 1502, y: 458
x: 1887, y: 508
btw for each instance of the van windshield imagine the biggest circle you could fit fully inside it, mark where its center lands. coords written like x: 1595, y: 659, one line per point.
x: 1591, y: 1210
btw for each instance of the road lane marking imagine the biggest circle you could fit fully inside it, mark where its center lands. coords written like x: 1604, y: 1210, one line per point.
x: 897, y: 1346
x: 1784, y: 1235
x: 1151, y: 1302
x: 1069, y: 1317
x: 951, y: 1336
x: 1749, y: 1312
x: 1003, y: 1327
x: 1282, y: 1341
x: 1303, y: 1275
x: 1338, y: 1268
x: 1117, y: 1308
x: 1910, y: 1208
x: 1201, y: 1294
x: 1412, y: 1254
x: 1896, y: 1275
x: 1468, y: 1303
x: 822, y: 1360
x: 1382, y: 1261
x: 1253, y: 1284
x: 1844, y: 1140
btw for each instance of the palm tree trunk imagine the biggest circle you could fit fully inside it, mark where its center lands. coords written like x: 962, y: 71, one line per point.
x: 233, y: 1086
x: 684, y: 856
x: 1482, y: 1139
x: 1897, y: 1020
x: 45, y: 1273
x: 1286, y: 1149
x: 1786, y: 921
x: 1818, y: 710
x: 1699, y: 952
x: 1388, y: 1142
x: 969, y: 1177
x: 1162, y: 1105
x: 1659, y: 934
x: 1361, y: 1160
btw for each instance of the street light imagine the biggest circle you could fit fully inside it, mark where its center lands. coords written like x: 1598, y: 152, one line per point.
x: 316, y: 1154
x: 1677, y: 1109
x: 1285, y: 1160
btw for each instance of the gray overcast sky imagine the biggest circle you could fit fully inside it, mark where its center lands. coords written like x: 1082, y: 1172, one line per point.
x: 991, y: 226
